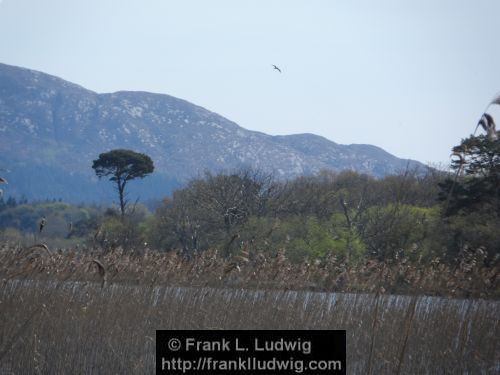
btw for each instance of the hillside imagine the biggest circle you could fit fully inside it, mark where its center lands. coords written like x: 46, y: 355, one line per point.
x: 51, y: 130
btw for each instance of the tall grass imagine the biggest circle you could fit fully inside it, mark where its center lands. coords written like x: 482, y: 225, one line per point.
x: 78, y: 327
x: 59, y: 317
x: 467, y: 278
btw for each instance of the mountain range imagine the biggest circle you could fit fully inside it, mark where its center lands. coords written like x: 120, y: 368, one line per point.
x: 52, y: 129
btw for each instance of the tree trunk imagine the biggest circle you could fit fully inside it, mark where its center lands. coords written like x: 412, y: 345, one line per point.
x: 121, y: 190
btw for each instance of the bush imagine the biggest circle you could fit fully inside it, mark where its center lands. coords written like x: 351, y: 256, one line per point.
x: 128, y: 232
x: 475, y: 230
x: 348, y: 242
x: 302, y: 238
x: 392, y: 229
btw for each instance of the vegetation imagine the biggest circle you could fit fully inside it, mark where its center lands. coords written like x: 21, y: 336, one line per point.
x: 345, y: 214
x: 53, y: 328
x: 98, y: 280
x: 332, y: 227
x: 123, y: 166
x: 471, y: 199
x: 468, y: 278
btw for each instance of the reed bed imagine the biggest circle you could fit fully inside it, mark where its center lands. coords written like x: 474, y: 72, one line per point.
x: 61, y: 327
x: 469, y: 277
x: 83, y: 312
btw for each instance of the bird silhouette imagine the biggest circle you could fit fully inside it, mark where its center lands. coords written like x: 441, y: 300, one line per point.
x: 276, y: 68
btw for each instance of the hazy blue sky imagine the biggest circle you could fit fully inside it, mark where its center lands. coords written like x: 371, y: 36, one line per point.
x: 412, y: 77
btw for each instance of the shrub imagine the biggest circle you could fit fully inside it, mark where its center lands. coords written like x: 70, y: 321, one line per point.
x: 391, y: 229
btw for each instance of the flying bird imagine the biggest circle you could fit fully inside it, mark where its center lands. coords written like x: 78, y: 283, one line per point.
x: 3, y: 180
x: 276, y: 68
x: 487, y: 123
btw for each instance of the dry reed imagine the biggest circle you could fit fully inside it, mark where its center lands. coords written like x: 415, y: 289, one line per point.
x: 467, y: 278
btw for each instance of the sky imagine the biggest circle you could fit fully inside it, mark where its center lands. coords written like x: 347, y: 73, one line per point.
x: 412, y: 77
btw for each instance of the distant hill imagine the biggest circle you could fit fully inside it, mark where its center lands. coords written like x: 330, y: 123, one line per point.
x: 51, y: 130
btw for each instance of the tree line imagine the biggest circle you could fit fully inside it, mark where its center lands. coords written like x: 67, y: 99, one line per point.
x: 352, y: 216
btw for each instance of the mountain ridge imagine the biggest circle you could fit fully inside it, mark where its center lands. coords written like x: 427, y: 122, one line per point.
x: 47, y: 123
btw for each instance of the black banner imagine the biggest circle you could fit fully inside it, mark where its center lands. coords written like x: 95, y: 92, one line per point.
x: 250, y: 352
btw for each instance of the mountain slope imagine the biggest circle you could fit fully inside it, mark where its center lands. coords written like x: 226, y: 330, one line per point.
x: 51, y: 130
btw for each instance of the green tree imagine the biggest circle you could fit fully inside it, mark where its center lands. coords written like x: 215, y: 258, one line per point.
x: 122, y: 166
x: 471, y: 199
x: 476, y: 185
x: 392, y: 228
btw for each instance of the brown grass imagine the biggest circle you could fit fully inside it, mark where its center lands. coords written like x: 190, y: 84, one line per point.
x: 467, y: 278
x: 58, y: 319
x: 78, y: 327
